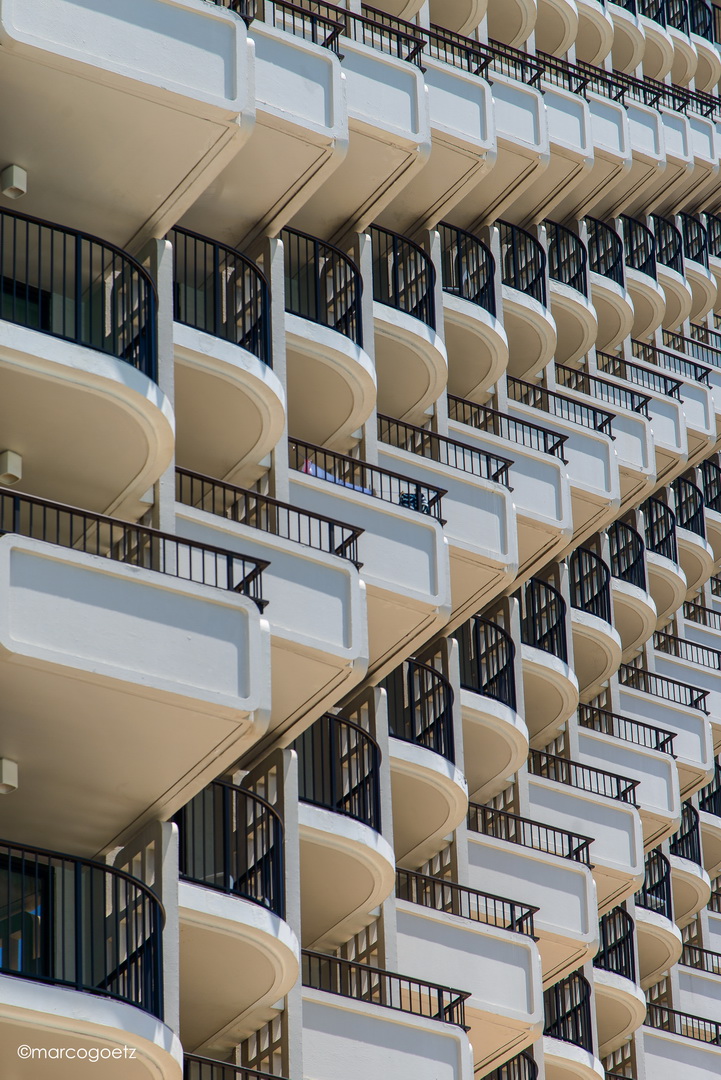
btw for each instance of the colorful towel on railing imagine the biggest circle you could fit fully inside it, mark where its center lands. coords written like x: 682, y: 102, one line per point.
x: 412, y: 501
x: 312, y: 469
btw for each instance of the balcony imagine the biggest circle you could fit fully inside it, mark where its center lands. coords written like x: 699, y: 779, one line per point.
x: 629, y: 38
x: 522, y: 1067
x: 595, y: 36
x: 703, y: 36
x: 670, y: 269
x: 475, y: 339
x: 545, y: 867
x: 666, y: 580
x: 231, y: 902
x: 634, y: 612
x: 529, y: 324
x: 695, y: 553
x: 620, y: 1004
x: 596, y: 644
x: 495, y: 736
x: 695, y: 393
x: 430, y: 795
x: 450, y: 931
x: 658, y: 54
x: 696, y: 266
x: 346, y: 866
x: 568, y: 1033
x: 176, y: 624
x: 403, y: 549
x: 673, y: 1040
x: 711, y: 482
x: 689, y: 881
x: 647, y: 296
x: 690, y: 659
x: 550, y: 686
x: 82, y: 965
x: 78, y: 332
x: 375, y: 1021
x: 698, y: 979
x: 613, y: 304
x: 685, y: 57
x: 573, y: 313
x: 709, y: 812
x: 659, y: 939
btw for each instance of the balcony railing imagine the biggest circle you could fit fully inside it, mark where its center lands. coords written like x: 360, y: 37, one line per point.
x: 420, y: 707
x: 200, y: 1068
x: 687, y: 650
x: 701, y: 959
x: 441, y: 448
x: 709, y: 797
x: 76, y: 287
x: 711, y: 480
x: 707, y: 354
x: 522, y: 1067
x: 695, y: 246
x: 701, y: 18
x: 483, y: 418
x: 135, y: 545
x: 269, y: 515
x: 361, y: 982
x: 684, y: 1024
x: 585, y: 383
x: 80, y: 924
x: 390, y: 487
x: 590, y: 584
x: 615, y: 951
x: 523, y: 261
x: 605, y: 250
x: 704, y: 333
x: 567, y: 257
x: 626, y: 729
x: 640, y: 246
x: 389, y: 35
x: 403, y: 275
x: 689, y: 506
x: 468, y: 267
x: 669, y: 243
x: 655, y: 893
x: 322, y: 284
x: 686, y: 843
x: 561, y: 405
x: 660, y: 529
x: 232, y: 840
x: 447, y: 896
x: 525, y: 832
x: 543, y: 618
x: 679, y: 693
x: 670, y: 361
x: 677, y: 15
x: 221, y: 292
x: 583, y: 777
x: 319, y: 29
x: 567, y: 1007
x: 487, y: 660
x: 695, y: 612
x: 628, y: 554
x: 714, y: 903
x: 713, y: 232
x: 640, y: 376
x: 339, y: 769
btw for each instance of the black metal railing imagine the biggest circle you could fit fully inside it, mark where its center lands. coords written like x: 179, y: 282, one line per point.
x: 339, y: 769
x: 379, y: 31
x: 684, y: 1024
x: 468, y: 267
x: 487, y: 660
x: 639, y: 246
x: 615, y: 950
x: 711, y: 481
x: 655, y: 893
x: 269, y: 515
x: 543, y: 618
x: 322, y: 284
x: 687, y: 650
x: 523, y: 261
x: 567, y: 257
x: 303, y: 22
x: 626, y: 729
x: 403, y: 275
x: 660, y: 686
x: 699, y: 332
x: 702, y: 959
x: 522, y: 1067
x: 686, y: 843
x: 484, y: 418
x: 628, y: 554
x: 697, y: 613
x: 367, y: 479
x: 420, y: 707
x: 605, y: 250
x: 713, y: 234
x: 442, y: 448
x: 584, y: 777
x: 447, y: 896
x: 677, y: 15
x: 585, y: 383
x: 640, y: 376
x: 689, y: 506
x: 232, y: 840
x: 80, y: 924
x: 669, y: 243
x: 135, y: 545
x: 200, y: 1068
x: 590, y: 583
x: 503, y: 825
x: 221, y: 292
x: 709, y: 797
x: 670, y: 361
x: 701, y: 18
x: 706, y: 353
x: 77, y: 287
x: 567, y: 1008
x: 714, y: 903
x: 561, y: 405
x: 695, y: 246
x: 362, y: 982
x: 660, y: 523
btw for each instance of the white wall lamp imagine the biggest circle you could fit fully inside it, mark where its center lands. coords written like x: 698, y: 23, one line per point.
x: 13, y: 182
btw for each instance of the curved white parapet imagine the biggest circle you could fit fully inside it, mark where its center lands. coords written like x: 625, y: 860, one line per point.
x: 620, y: 1009
x: 629, y: 39
x: 597, y: 650
x: 495, y: 744
x: 411, y: 363
x: 596, y: 32
x: 691, y: 888
x: 566, y: 1061
x: 477, y: 347
x: 576, y: 322
x: 659, y: 945
x: 679, y: 298
x: 430, y: 800
x: 550, y: 689
x: 658, y: 54
x: 531, y: 331
x: 649, y: 302
x: 614, y: 309
x: 634, y: 615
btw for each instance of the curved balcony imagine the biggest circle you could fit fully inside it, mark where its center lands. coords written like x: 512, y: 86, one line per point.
x: 346, y: 867
x: 659, y: 939
x: 613, y: 304
x: 695, y: 553
x: 495, y: 737
x: 529, y: 325
x: 475, y: 339
x: 629, y: 38
x: 666, y: 580
x: 461, y: 16
x: 647, y: 296
x: 511, y: 23
x: 634, y: 611
x: 522, y: 1067
x: 430, y: 796
x: 620, y: 1004
x: 670, y: 271
x: 79, y: 367
x: 556, y: 25
x: 595, y: 36
x: 597, y: 645
x: 696, y: 266
x: 324, y: 342
x: 573, y: 313
x: 685, y: 57
x: 690, y: 883
x: 550, y: 687
x: 81, y: 963
x: 231, y: 908
x: 658, y: 54
x: 703, y: 36
x: 709, y: 812
x: 568, y: 1032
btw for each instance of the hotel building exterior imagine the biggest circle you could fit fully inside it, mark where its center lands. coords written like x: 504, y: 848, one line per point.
x: 360, y: 540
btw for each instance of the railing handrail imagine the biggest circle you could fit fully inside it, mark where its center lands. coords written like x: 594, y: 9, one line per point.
x: 640, y: 246
x: 521, y: 1067
x: 327, y: 789
x: 625, y: 728
x: 655, y: 893
x: 695, y: 242
x: 694, y: 956
x: 543, y: 619
x: 660, y: 522
x: 568, y: 409
x: 662, y: 1018
x: 702, y: 655
x: 606, y: 260
x: 573, y: 774
x: 210, y: 1069
x: 671, y: 361
x: 686, y: 841
x: 585, y: 382
x: 711, y: 480
x: 640, y: 679
x: 669, y: 243
x: 514, y: 916
x: 689, y: 501
x: 576, y: 844
x: 590, y: 583
x: 627, y: 554
x: 709, y: 797
x: 426, y: 710
x: 497, y: 655
x: 570, y: 1019
x: 456, y: 455
x: 708, y: 616
x: 423, y: 307
x: 706, y: 354
x: 347, y: 294
x: 561, y: 262
x: 616, y: 952
x: 648, y: 377
x: 553, y: 442
x: 514, y: 270
x: 457, y: 275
